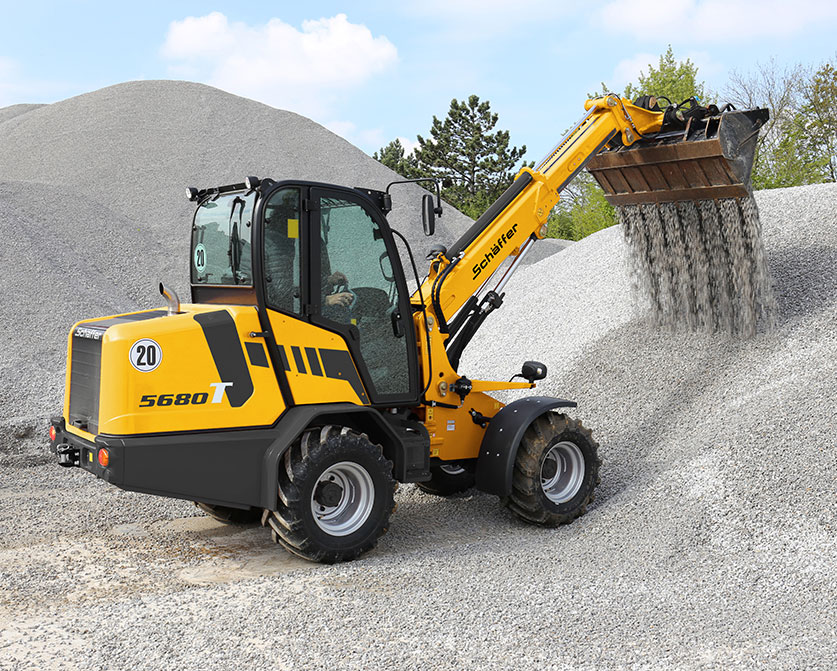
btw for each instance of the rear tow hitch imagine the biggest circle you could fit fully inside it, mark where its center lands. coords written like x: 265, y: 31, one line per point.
x: 67, y: 455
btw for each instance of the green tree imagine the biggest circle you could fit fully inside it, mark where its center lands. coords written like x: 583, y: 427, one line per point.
x: 585, y: 212
x: 393, y: 157
x: 675, y: 80
x: 475, y: 162
x: 819, y: 109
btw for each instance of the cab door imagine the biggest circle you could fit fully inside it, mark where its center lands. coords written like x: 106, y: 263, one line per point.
x: 357, y: 290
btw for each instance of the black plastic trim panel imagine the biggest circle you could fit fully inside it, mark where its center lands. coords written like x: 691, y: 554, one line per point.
x: 239, y: 468
x: 222, y: 338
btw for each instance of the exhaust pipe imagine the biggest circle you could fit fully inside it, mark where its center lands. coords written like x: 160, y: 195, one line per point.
x: 172, y: 298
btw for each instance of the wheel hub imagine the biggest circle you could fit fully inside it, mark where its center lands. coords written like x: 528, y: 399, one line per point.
x: 343, y: 498
x: 562, y: 472
x: 328, y: 494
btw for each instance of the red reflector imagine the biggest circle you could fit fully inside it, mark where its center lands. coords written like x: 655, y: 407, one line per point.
x: 104, y: 457
x: 52, y: 433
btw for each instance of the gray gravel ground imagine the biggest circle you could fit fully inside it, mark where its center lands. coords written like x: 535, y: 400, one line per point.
x: 711, y: 544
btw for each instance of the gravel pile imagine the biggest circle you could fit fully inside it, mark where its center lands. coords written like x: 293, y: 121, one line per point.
x: 12, y: 111
x: 135, y: 147
x: 711, y: 543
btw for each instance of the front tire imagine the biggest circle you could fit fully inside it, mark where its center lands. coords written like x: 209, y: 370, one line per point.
x: 447, y: 479
x: 336, y: 495
x: 555, y: 472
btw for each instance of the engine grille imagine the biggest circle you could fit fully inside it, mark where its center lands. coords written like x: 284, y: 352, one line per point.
x: 85, y: 376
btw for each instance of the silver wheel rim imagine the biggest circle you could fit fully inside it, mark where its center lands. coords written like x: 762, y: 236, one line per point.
x: 452, y: 469
x: 568, y: 463
x: 356, y: 500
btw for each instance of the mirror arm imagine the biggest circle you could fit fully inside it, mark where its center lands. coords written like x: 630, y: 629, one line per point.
x: 436, y: 182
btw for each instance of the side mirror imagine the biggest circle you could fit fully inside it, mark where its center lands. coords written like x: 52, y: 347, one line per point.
x: 428, y: 214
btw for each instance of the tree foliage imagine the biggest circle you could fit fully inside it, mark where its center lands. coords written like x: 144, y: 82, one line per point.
x: 475, y: 161
x: 393, y: 157
x: 584, y: 213
x: 819, y: 107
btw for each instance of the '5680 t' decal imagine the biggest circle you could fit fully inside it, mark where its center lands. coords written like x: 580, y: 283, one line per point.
x: 186, y: 398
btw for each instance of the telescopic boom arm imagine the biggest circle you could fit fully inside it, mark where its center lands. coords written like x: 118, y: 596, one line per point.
x: 520, y: 214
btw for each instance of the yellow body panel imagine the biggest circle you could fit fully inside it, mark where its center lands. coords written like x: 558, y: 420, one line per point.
x: 304, y: 346
x: 186, y: 371
x: 453, y: 433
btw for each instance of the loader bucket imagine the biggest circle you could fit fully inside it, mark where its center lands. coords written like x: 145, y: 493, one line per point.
x: 691, y: 223
x: 710, y: 159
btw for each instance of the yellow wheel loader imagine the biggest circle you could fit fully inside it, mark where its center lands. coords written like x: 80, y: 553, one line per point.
x: 305, y: 380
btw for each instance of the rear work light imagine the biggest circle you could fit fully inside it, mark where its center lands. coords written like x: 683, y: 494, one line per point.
x: 52, y: 433
x: 104, y: 458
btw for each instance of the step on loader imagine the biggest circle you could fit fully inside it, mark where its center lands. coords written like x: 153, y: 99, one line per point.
x: 304, y: 381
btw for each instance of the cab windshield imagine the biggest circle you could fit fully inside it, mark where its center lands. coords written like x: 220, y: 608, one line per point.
x: 221, y: 240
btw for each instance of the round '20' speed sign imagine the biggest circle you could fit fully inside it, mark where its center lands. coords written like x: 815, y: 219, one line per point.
x: 145, y: 355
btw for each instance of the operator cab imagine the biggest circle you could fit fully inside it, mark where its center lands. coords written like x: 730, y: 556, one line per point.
x: 313, y: 253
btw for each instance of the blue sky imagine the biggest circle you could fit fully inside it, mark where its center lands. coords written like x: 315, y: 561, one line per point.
x: 372, y: 70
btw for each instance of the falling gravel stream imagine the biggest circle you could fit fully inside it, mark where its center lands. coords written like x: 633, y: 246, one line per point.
x: 701, y: 264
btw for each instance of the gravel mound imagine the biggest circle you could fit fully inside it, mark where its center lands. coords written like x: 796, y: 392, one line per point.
x: 12, y: 111
x: 63, y: 265
x: 135, y: 147
x: 544, y: 249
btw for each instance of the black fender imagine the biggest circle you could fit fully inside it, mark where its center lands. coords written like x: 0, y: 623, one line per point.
x: 409, y: 452
x: 498, y: 450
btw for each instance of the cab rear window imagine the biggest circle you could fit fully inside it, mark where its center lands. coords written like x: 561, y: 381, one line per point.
x: 221, y: 252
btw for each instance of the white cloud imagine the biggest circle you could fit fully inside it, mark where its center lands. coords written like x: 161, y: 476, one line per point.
x: 707, y: 66
x: 715, y: 20
x: 305, y: 70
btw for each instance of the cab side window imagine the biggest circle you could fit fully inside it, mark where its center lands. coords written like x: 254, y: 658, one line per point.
x: 282, y: 251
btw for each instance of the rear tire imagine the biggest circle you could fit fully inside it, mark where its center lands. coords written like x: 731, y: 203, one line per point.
x: 336, y: 495
x: 447, y: 479
x: 230, y: 515
x: 555, y: 472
